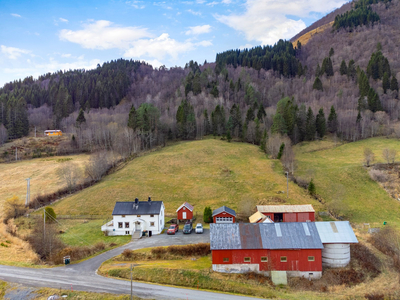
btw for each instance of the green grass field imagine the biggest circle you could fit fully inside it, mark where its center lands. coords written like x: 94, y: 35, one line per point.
x: 339, y: 176
x: 204, y: 173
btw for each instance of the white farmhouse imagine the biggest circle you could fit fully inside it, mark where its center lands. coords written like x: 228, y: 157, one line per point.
x: 132, y: 218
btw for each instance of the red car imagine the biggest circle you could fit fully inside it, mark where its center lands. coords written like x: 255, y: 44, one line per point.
x: 174, y: 228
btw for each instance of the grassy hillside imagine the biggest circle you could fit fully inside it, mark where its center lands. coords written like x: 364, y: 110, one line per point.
x: 204, y: 173
x: 43, y: 174
x: 307, y: 36
x: 339, y: 176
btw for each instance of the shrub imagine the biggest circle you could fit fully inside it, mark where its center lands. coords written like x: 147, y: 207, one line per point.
x: 378, y: 175
x: 201, y: 249
x: 311, y: 188
x: 50, y: 214
x: 127, y: 254
x: 207, y: 216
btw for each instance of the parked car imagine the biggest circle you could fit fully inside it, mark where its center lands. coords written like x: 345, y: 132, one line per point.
x: 174, y: 228
x: 187, y: 228
x: 199, y: 228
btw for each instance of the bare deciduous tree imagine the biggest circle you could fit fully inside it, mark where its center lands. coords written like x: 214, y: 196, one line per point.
x: 97, y: 166
x: 3, y: 134
x: 69, y: 173
x: 369, y: 156
x: 289, y: 158
x: 13, y: 208
x: 274, y: 143
x: 389, y: 155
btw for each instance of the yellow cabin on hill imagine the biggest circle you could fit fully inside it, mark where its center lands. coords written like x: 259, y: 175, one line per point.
x: 53, y: 133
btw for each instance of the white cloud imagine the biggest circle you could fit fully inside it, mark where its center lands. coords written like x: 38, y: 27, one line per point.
x: 63, y: 20
x: 11, y: 52
x: 104, y: 34
x: 267, y: 22
x: 196, y: 13
x: 200, y: 1
x: 226, y: 1
x: 196, y: 30
x: 16, y: 15
x: 160, y: 47
x: 66, y: 55
x: 212, y: 3
x: 136, y: 4
x: 154, y: 62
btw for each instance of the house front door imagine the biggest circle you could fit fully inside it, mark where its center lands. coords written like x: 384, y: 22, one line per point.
x: 137, y: 226
x: 184, y: 215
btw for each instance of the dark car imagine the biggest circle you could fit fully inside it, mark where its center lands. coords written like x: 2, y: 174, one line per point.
x: 187, y: 228
x: 174, y: 228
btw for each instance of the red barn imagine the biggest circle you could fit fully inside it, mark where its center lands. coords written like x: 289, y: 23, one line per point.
x: 224, y: 215
x: 265, y: 247
x: 185, y: 212
x: 288, y: 213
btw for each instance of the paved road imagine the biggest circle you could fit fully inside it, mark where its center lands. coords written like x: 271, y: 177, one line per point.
x: 83, y: 276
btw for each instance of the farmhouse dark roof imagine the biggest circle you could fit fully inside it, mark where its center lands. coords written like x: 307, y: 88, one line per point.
x: 264, y: 236
x: 142, y: 208
x: 224, y: 209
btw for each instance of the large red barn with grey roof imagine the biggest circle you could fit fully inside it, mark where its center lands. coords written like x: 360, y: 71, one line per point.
x: 264, y: 247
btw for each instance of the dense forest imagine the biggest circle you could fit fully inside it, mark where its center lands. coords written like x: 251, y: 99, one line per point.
x: 342, y: 82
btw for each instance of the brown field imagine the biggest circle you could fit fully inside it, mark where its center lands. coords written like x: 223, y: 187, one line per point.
x: 306, y: 37
x: 43, y: 174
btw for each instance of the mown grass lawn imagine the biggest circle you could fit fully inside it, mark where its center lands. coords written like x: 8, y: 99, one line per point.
x: 85, y: 233
x: 339, y: 176
x: 204, y: 173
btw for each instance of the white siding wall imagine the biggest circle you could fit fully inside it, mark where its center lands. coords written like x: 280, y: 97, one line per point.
x: 146, y: 223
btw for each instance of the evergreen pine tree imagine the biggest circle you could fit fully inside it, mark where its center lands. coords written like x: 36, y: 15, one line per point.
x: 133, y: 119
x: 331, y: 52
x: 317, y: 85
x: 351, y: 70
x: 278, y: 125
x: 359, y: 118
x: 207, y: 127
x: 394, y: 85
x: 311, y: 188
x: 385, y: 82
x: 343, y: 68
x: 263, y: 143
x: 332, y: 120
x: 318, y: 71
x: 281, y: 149
x: 310, y: 125
x: 207, y: 215
x: 81, y: 118
x: 363, y: 84
x: 320, y: 123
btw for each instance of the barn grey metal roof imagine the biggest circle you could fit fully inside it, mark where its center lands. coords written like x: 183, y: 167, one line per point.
x: 224, y: 209
x: 141, y: 208
x: 339, y: 232
x: 285, y: 208
x: 265, y: 236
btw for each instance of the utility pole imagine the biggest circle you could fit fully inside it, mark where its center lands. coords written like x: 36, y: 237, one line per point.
x: 131, y: 284
x: 16, y: 153
x: 44, y: 225
x: 28, y: 192
x: 35, y: 131
x: 287, y: 185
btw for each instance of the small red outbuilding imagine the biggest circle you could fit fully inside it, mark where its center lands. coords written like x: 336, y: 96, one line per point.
x: 185, y: 212
x: 288, y: 213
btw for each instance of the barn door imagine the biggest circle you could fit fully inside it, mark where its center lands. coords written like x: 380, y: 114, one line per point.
x: 184, y: 215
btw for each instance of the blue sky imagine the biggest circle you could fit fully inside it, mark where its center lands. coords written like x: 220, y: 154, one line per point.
x: 38, y: 36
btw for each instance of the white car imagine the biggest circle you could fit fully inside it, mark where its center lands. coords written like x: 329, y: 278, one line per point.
x: 199, y: 228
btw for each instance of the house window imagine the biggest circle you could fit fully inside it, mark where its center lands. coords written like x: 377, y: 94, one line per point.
x: 126, y: 224
x: 151, y: 224
x: 311, y: 258
x: 151, y: 216
x: 226, y: 259
x: 264, y: 259
x: 247, y: 259
x: 123, y: 216
x: 283, y: 258
x: 127, y: 232
x: 184, y: 208
x: 119, y: 224
x: 138, y: 216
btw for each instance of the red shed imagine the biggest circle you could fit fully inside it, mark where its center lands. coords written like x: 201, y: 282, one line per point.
x: 185, y: 212
x: 224, y: 215
x: 265, y: 247
x: 288, y: 213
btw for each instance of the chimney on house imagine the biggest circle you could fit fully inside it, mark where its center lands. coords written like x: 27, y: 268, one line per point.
x: 136, y: 201
x: 149, y: 199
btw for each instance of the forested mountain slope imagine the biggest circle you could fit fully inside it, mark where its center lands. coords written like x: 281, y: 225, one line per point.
x: 344, y: 81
